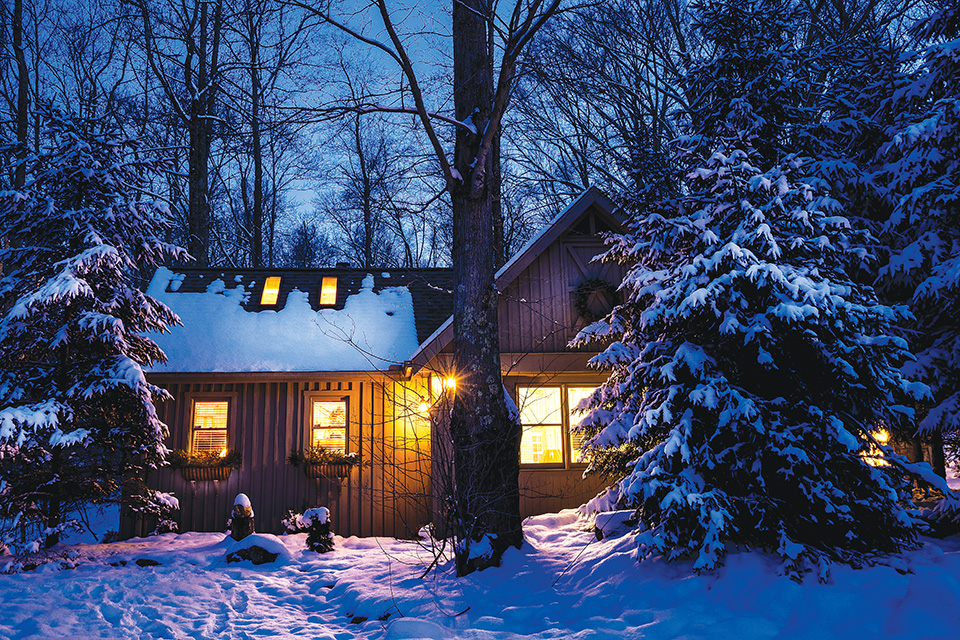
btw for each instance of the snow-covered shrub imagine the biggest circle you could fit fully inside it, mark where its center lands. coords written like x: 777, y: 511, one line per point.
x: 319, y: 534
x: 293, y: 522
x: 77, y: 417
x: 754, y: 370
x: 316, y: 524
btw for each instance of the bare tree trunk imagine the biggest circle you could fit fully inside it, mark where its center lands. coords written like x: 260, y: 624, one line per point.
x: 198, y: 217
x: 486, y: 438
x: 255, y: 99
x: 23, y: 94
x: 201, y: 75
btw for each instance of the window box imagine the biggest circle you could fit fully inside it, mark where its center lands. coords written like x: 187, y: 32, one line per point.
x: 204, y: 466
x: 318, y: 462
x: 327, y: 470
x: 205, y: 473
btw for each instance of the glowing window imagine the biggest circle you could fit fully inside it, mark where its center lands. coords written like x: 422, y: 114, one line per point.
x: 271, y: 291
x: 574, y: 396
x: 542, y: 421
x: 209, y: 426
x: 328, y: 291
x: 330, y: 425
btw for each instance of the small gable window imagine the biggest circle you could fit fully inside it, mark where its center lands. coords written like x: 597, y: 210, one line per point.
x: 271, y: 291
x: 209, y: 433
x: 328, y: 291
x: 330, y: 425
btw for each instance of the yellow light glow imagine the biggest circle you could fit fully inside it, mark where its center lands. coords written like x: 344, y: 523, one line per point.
x: 209, y: 426
x: 873, y: 456
x: 328, y: 291
x: 223, y: 453
x: 450, y: 383
x: 423, y: 407
x: 271, y: 291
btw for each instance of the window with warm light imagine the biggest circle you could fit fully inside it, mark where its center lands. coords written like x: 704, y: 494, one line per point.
x: 329, y: 420
x: 328, y: 291
x: 574, y: 396
x: 542, y: 420
x: 271, y: 291
x: 209, y: 433
x: 548, y: 416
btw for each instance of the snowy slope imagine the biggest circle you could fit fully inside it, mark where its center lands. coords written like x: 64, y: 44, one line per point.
x: 562, y: 584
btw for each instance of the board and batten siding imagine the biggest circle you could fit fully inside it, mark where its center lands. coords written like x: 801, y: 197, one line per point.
x: 388, y: 494
x: 537, y: 313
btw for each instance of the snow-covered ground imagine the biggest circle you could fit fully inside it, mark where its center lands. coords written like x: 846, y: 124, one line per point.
x: 562, y: 584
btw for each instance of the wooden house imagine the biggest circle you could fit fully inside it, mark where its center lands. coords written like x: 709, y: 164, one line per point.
x: 271, y: 361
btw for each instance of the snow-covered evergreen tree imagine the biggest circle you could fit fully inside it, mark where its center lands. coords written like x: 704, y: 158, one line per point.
x: 759, y: 369
x: 758, y: 73
x: 918, y: 171
x: 77, y: 417
x: 751, y: 368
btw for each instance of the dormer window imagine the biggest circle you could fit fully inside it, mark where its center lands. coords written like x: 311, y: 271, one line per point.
x: 271, y: 291
x: 328, y: 291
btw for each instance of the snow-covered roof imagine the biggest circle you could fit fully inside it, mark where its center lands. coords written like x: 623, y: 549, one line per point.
x: 225, y: 329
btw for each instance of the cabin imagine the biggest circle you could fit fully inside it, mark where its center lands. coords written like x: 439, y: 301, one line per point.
x: 270, y: 362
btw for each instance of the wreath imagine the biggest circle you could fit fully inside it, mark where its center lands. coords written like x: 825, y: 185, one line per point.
x: 581, y: 298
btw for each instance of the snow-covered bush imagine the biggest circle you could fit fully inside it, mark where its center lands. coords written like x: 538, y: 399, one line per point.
x: 77, y: 417
x: 316, y: 524
x: 754, y: 372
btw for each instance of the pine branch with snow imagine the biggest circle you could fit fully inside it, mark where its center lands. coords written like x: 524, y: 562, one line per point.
x: 752, y: 372
x: 76, y: 412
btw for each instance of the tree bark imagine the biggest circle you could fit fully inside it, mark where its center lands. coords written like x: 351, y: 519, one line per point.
x: 257, y: 215
x: 486, y: 438
x: 23, y: 94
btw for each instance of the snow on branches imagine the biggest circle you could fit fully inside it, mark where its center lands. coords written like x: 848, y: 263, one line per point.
x: 750, y: 371
x: 76, y: 411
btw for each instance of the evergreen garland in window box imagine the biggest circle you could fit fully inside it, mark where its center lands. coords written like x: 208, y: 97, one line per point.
x: 208, y: 465
x: 318, y: 462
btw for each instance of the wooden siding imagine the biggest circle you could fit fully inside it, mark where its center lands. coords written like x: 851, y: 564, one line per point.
x: 550, y: 490
x: 537, y: 313
x: 388, y: 494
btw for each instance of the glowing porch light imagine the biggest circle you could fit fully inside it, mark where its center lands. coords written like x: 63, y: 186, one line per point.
x: 873, y: 456
x: 450, y: 384
x: 328, y: 291
x: 424, y: 406
x: 271, y: 291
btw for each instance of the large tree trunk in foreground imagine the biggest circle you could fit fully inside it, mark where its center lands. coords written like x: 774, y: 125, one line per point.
x: 486, y: 438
